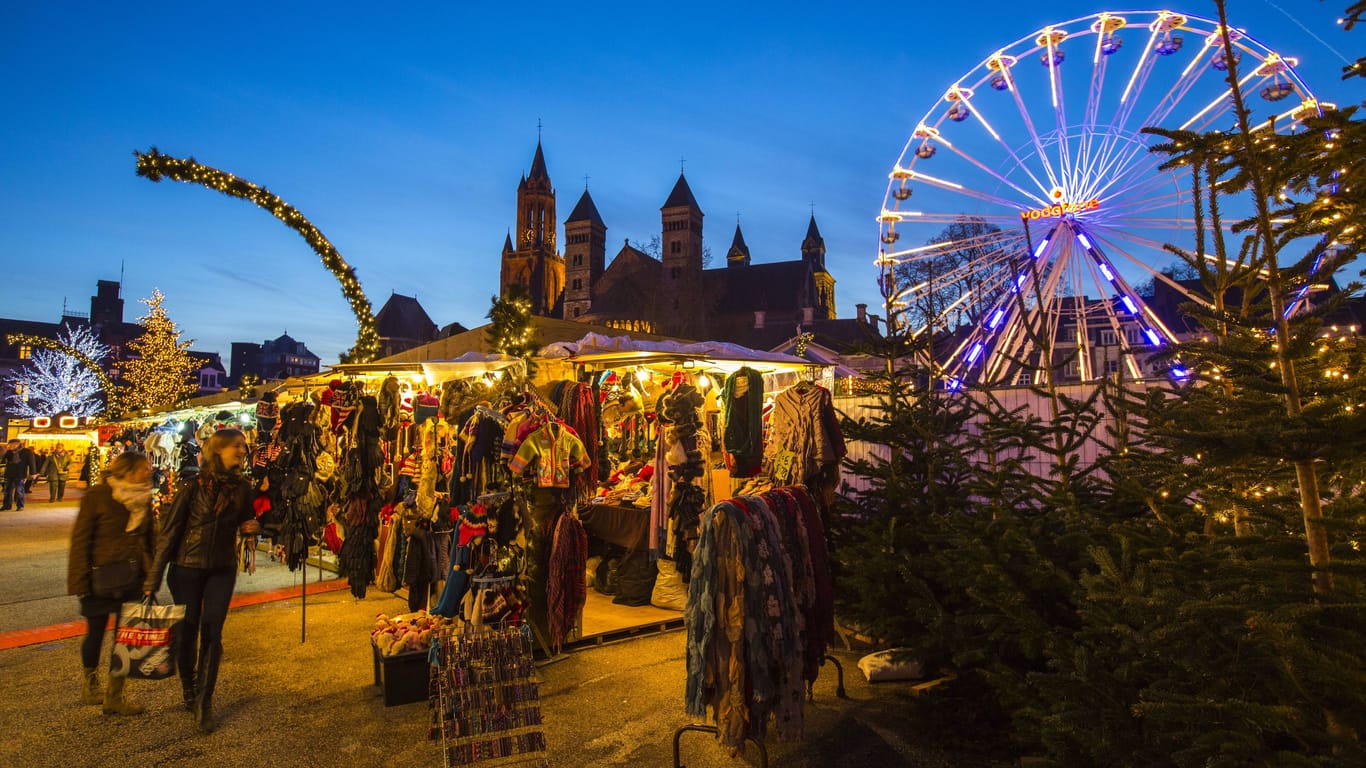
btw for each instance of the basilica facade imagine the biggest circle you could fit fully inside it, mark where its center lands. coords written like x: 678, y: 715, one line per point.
x: 671, y: 292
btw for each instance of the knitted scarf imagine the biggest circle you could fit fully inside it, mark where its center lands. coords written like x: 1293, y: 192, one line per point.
x: 135, y: 497
x: 566, y: 588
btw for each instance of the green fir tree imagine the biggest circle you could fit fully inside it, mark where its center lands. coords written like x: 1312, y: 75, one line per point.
x: 159, y: 377
x: 511, y: 331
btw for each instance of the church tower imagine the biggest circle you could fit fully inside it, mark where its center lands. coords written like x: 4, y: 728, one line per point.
x: 585, y: 256
x: 533, y: 262
x: 681, y: 254
x: 813, y: 253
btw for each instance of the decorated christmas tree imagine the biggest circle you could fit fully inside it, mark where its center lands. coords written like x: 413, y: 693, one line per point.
x: 511, y: 331
x: 159, y: 377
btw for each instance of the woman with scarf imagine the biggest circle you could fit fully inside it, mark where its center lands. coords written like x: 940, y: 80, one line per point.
x: 113, y: 535
x: 198, y: 540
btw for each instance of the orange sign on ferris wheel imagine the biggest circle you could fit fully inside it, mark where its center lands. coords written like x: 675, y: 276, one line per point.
x: 1060, y: 209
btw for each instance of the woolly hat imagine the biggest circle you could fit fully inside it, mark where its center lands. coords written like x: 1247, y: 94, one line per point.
x: 325, y: 465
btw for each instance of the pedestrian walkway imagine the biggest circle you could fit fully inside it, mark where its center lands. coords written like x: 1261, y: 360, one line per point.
x: 297, y: 688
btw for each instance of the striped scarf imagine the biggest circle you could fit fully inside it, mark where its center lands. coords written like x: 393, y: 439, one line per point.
x: 566, y: 586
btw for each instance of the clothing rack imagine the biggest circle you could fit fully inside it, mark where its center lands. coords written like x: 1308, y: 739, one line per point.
x: 780, y: 534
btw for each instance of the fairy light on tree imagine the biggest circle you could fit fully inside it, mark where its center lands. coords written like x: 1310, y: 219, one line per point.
x: 154, y: 166
x: 158, y: 378
x: 62, y: 377
x: 511, y: 331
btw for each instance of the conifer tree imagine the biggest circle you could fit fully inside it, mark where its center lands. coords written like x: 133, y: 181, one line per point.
x: 511, y: 331
x: 159, y: 377
x: 1217, y: 629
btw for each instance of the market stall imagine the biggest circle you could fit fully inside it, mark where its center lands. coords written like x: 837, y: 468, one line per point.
x: 78, y: 438
x: 682, y: 427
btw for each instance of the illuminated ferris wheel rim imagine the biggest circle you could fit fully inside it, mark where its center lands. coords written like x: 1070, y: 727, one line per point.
x: 1060, y: 179
x: 987, y: 69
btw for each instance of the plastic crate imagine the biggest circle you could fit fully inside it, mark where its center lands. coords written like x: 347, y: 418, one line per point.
x: 404, y: 678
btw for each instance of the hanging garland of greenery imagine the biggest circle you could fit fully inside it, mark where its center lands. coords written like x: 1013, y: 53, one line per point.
x: 154, y: 166
x: 112, y: 410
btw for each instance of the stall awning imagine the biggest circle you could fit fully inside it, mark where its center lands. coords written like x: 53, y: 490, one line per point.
x: 466, y: 366
x: 608, y: 351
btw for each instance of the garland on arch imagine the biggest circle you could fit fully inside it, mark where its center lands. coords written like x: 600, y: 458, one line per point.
x: 154, y: 166
x: 112, y: 408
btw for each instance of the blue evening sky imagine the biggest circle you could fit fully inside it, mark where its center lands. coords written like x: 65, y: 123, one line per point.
x: 401, y: 131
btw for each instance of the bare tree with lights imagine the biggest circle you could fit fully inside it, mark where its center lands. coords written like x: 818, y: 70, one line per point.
x: 54, y: 382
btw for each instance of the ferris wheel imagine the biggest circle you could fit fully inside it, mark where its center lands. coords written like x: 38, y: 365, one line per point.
x: 1027, y: 207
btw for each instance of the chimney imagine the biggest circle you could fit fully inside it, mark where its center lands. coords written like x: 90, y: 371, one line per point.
x: 758, y: 318
x: 808, y: 315
x: 862, y: 312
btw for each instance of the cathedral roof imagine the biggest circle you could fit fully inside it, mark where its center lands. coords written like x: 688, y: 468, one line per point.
x: 738, y: 250
x: 813, y: 235
x: 538, y: 164
x: 402, y: 317
x: 781, y: 286
x: 681, y: 196
x: 585, y: 211
x: 629, y: 283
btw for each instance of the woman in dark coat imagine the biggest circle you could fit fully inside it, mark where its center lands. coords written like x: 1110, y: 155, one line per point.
x: 198, y: 540
x: 113, y: 527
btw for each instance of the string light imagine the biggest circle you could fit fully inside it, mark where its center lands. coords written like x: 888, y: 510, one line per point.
x: 111, y: 399
x: 159, y: 376
x: 154, y: 166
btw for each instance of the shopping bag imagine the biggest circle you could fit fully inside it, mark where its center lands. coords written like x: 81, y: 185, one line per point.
x: 142, y: 643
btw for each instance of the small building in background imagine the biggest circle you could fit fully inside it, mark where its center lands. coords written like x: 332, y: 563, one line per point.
x: 274, y: 359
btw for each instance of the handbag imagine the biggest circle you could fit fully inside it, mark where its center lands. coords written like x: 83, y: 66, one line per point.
x: 143, y: 642
x: 115, y: 579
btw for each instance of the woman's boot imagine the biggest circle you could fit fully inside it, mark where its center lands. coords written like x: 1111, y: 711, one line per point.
x: 187, y: 689
x: 208, y: 676
x: 114, y: 703
x: 91, y: 693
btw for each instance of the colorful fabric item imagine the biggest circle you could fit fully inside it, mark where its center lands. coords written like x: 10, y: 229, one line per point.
x: 566, y: 582
x: 552, y: 453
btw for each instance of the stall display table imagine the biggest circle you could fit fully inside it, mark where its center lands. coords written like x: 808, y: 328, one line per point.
x: 627, y: 527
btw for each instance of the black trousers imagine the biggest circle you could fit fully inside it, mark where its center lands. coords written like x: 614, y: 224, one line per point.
x: 205, y: 593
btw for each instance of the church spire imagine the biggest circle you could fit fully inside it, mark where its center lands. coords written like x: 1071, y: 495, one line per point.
x: 538, y: 171
x: 813, y: 246
x: 738, y: 255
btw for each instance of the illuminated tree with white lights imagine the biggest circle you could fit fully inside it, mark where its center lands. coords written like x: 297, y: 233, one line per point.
x: 53, y: 382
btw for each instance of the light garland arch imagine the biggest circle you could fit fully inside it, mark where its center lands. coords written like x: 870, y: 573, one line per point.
x: 154, y: 166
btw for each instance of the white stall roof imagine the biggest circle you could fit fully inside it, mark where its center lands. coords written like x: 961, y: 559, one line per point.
x: 623, y: 350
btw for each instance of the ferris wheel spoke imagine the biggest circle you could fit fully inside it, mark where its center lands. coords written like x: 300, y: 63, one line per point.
x: 1039, y: 196
x: 1188, y: 78
x: 996, y: 243
x: 1144, y: 168
x: 1029, y: 126
x: 1223, y: 102
x: 1142, y: 199
x: 1111, y: 247
x: 940, y: 217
